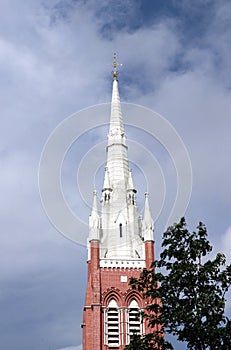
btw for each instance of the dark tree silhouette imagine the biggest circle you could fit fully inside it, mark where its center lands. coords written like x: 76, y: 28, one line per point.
x: 192, y: 291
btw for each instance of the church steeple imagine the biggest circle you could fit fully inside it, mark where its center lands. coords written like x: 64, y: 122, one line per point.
x: 120, y: 246
x: 120, y: 230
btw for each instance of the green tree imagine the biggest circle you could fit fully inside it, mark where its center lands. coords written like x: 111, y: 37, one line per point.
x: 192, y: 291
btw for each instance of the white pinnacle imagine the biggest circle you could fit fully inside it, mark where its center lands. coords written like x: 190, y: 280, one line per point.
x: 148, y: 223
x: 94, y: 219
x: 130, y: 182
x: 106, y: 184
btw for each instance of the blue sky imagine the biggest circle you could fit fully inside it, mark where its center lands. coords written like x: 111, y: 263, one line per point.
x: 55, y: 59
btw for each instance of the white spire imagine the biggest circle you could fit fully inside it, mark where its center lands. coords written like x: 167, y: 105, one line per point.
x: 106, y: 191
x: 148, y: 223
x: 94, y: 219
x: 117, y: 158
x: 131, y: 190
x: 118, y: 228
x: 116, y: 122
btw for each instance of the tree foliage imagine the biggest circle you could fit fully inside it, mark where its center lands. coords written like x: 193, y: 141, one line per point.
x: 151, y: 341
x: 192, y: 290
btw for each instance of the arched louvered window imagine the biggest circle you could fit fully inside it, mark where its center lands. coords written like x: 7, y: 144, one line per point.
x: 111, y: 325
x: 134, y: 320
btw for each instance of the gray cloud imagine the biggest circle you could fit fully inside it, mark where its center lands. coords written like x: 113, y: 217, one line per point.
x: 55, y: 60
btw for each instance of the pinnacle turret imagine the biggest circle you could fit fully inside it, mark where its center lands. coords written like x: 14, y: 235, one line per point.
x: 131, y: 189
x: 106, y: 187
x: 106, y: 184
x: 94, y: 219
x: 148, y: 223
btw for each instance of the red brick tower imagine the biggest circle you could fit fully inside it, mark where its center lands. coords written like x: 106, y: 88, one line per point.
x: 120, y: 246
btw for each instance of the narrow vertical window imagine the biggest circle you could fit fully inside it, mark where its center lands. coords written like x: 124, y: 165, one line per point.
x: 111, y: 322
x: 134, y: 324
x: 121, y: 231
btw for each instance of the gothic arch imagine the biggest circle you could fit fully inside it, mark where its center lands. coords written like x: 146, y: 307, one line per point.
x: 112, y: 294
x: 133, y: 295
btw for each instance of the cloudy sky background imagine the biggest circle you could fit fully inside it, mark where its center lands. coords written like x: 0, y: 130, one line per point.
x: 55, y: 59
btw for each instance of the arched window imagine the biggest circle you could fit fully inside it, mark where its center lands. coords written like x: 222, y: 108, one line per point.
x: 134, y: 320
x: 111, y: 324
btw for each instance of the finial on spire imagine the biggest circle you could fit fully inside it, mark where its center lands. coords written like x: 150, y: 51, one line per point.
x: 114, y: 61
x: 115, y: 65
